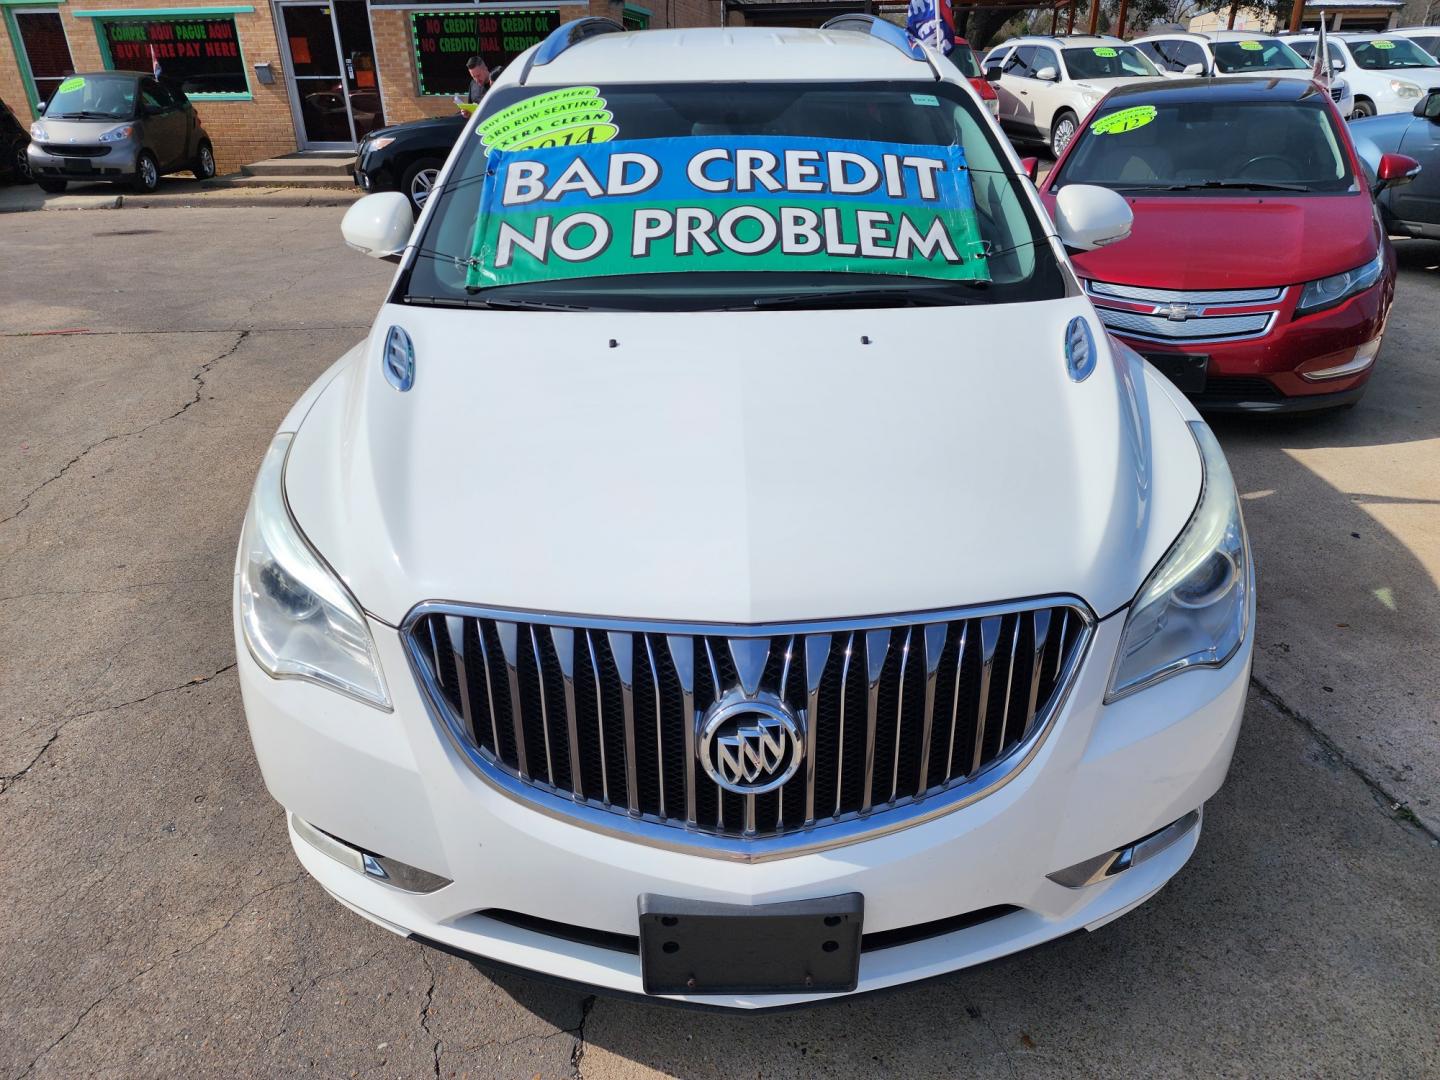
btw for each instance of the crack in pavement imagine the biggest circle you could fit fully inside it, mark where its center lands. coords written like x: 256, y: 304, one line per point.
x: 190, y: 330
x: 1332, y: 748
x: 577, y: 1052
x: 175, y: 955
x: 425, y: 1012
x: 7, y: 782
x: 198, y: 378
x: 110, y: 592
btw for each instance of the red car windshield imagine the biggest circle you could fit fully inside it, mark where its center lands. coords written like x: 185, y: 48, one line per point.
x: 963, y: 57
x: 1199, y: 147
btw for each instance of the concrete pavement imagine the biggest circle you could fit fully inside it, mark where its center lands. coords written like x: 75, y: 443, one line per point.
x: 153, y: 921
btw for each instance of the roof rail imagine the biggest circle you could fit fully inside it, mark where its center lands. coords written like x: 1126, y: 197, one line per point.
x: 566, y: 36
x: 887, y: 32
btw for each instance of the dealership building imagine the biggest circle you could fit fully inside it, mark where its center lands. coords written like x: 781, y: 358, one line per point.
x: 271, y: 77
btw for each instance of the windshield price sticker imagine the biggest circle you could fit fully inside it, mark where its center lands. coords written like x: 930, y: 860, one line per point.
x: 1251, y: 46
x: 729, y: 203
x: 1104, y: 50
x: 569, y: 117
x: 71, y: 84
x: 1383, y: 44
x: 1117, y: 123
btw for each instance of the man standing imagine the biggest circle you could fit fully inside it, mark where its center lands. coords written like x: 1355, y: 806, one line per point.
x: 479, y: 80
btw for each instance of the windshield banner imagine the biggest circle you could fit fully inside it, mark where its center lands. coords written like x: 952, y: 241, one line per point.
x: 731, y: 203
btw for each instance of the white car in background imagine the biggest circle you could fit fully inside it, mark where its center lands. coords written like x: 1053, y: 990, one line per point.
x: 1387, y: 73
x: 750, y: 598
x: 1233, y: 54
x: 1048, y: 84
x: 1427, y: 37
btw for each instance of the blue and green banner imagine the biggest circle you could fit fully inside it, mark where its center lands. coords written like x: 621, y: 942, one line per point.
x: 726, y: 203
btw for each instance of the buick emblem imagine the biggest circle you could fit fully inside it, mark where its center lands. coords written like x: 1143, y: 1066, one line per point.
x: 1178, y: 312
x: 751, y: 745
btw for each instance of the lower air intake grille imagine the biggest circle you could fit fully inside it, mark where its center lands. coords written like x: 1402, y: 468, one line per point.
x: 836, y: 722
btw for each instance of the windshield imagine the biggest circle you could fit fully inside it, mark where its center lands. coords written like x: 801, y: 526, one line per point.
x: 1108, y: 62
x: 1260, y: 54
x: 1381, y: 54
x: 691, y: 196
x: 963, y: 57
x: 1199, y: 147
x: 93, y: 97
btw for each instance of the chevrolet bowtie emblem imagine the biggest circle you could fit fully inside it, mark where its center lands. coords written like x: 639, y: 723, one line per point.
x: 1178, y: 312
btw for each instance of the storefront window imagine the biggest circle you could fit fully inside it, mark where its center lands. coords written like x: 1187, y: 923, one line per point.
x: 201, y: 54
x: 42, y: 37
x: 444, y: 40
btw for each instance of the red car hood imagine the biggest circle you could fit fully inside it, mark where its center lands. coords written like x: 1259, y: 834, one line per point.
x: 1214, y: 242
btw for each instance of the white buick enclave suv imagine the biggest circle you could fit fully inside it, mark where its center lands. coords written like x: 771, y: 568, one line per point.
x: 737, y: 567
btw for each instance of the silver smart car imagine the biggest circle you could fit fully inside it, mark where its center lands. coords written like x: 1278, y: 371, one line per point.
x: 121, y: 126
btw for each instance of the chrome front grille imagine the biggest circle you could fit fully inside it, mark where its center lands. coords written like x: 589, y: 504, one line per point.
x: 1172, y: 315
x: 1336, y: 93
x: 899, y: 717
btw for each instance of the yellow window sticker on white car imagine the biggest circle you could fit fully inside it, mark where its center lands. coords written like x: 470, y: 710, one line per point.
x: 1104, y: 50
x: 71, y: 84
x: 1251, y: 46
x: 1125, y: 120
x: 568, y: 117
x: 1383, y: 44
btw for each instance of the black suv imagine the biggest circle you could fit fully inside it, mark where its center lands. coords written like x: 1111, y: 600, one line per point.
x: 407, y: 157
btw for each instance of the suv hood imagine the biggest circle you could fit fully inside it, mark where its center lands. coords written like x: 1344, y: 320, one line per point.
x: 1190, y: 242
x: 741, y: 467
x: 456, y: 121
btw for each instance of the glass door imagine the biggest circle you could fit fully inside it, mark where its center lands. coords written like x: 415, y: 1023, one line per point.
x: 331, y: 72
x: 357, y: 53
x: 45, y: 49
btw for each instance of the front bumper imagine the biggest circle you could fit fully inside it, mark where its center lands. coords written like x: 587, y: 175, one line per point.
x: 1267, y: 373
x: 393, y: 784
x: 109, y: 163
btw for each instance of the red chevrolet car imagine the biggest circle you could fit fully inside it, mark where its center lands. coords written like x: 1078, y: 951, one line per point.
x: 963, y: 57
x: 1258, y: 275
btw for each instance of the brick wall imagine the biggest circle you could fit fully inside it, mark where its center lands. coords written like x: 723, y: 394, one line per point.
x: 12, y: 89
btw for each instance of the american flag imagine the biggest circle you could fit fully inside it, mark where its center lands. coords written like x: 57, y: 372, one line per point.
x: 1321, y: 67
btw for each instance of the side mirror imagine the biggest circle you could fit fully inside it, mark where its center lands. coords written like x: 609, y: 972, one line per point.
x: 1394, y: 170
x: 40, y: 109
x: 1089, y: 217
x: 1047, y: 74
x: 1193, y: 69
x: 1428, y: 107
x: 379, y: 225
x: 1031, y: 165
x: 993, y: 73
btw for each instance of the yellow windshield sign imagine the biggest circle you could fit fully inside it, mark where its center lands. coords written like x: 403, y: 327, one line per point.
x: 1104, y: 50
x: 1250, y: 46
x: 1118, y: 123
x: 71, y: 84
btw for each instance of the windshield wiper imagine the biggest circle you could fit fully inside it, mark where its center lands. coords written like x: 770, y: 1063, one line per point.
x: 1237, y: 185
x: 87, y: 114
x: 859, y: 298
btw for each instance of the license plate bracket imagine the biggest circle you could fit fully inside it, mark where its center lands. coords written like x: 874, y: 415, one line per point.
x: 79, y: 164
x: 1186, y: 370
x: 801, y: 946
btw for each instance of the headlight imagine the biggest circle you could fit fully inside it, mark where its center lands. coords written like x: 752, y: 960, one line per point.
x: 117, y: 134
x: 38, y: 132
x: 299, y: 621
x: 382, y: 142
x: 1404, y: 89
x: 1327, y: 292
x: 1194, y: 608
